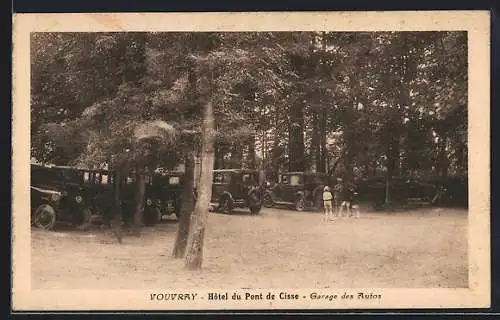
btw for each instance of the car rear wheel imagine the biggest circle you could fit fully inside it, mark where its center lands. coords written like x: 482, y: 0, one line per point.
x: 300, y: 204
x: 45, y: 217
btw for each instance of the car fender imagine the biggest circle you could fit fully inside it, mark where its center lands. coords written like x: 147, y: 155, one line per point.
x: 270, y: 193
x: 227, y: 194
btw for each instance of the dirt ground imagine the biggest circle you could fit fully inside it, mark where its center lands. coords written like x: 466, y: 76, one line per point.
x: 278, y: 248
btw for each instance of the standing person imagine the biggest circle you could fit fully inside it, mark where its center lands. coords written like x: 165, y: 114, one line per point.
x: 327, y: 203
x: 352, y: 198
x: 344, y: 199
x: 338, y: 190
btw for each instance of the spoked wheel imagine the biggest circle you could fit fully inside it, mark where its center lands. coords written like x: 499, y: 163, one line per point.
x: 45, y: 217
x: 300, y: 204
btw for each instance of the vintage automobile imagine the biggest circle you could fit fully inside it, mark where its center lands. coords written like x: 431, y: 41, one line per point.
x: 232, y: 188
x: 297, y: 189
x: 401, y: 191
x: 57, y: 195
x: 163, y: 195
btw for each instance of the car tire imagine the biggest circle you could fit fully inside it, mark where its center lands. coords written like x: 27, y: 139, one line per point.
x: 226, y: 204
x: 255, y: 210
x: 45, y: 217
x: 268, y: 200
x: 300, y: 204
x: 255, y: 202
x: 152, y: 216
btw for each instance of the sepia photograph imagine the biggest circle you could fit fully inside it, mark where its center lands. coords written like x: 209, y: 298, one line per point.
x: 252, y: 168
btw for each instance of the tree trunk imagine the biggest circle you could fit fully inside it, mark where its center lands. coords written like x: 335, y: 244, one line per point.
x: 187, y: 207
x: 140, y: 188
x: 251, y: 153
x: 316, y: 142
x: 322, y: 135
x: 392, y: 158
x: 443, y: 163
x: 194, y: 256
x: 236, y: 156
x: 296, y: 139
x: 116, y: 220
x: 217, y: 157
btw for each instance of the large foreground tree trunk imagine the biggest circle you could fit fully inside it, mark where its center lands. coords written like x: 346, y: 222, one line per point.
x: 187, y: 207
x: 194, y: 256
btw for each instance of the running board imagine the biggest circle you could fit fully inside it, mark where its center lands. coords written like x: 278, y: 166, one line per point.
x: 283, y: 203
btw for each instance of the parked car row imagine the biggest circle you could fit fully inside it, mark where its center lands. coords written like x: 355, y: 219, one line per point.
x: 71, y: 195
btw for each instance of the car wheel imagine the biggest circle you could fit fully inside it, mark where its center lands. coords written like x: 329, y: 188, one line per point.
x: 255, y: 202
x: 300, y: 204
x: 226, y: 205
x: 255, y: 211
x: 268, y: 200
x: 45, y: 217
x: 152, y: 216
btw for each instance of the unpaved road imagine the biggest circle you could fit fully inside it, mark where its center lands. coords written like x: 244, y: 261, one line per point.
x: 278, y: 248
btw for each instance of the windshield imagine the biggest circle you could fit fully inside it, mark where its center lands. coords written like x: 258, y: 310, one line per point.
x: 44, y: 175
x: 222, y: 177
x: 292, y: 180
x: 73, y: 176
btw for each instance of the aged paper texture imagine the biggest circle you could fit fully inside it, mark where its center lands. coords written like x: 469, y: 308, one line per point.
x: 153, y: 295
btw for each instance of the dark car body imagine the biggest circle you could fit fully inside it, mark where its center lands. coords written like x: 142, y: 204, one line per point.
x: 401, y: 191
x: 164, y: 190
x: 58, y: 194
x: 233, y: 188
x: 300, y: 189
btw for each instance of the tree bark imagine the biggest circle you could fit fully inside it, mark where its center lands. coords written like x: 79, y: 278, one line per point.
x: 187, y: 207
x: 392, y: 166
x: 296, y: 139
x: 116, y: 220
x: 194, y: 255
x: 140, y: 188
x: 443, y: 163
x: 251, y: 153
x: 236, y: 156
x: 322, y: 135
x: 316, y: 142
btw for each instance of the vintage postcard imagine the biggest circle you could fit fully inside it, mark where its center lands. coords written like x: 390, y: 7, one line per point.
x: 242, y: 161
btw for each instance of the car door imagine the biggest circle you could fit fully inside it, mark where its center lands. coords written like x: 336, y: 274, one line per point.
x: 289, y: 190
x: 278, y: 187
x: 219, y: 184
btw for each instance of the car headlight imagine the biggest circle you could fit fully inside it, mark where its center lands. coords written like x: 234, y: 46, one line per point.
x: 78, y: 199
x: 149, y: 202
x: 56, y: 196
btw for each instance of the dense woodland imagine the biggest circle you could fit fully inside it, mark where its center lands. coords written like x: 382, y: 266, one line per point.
x: 389, y: 104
